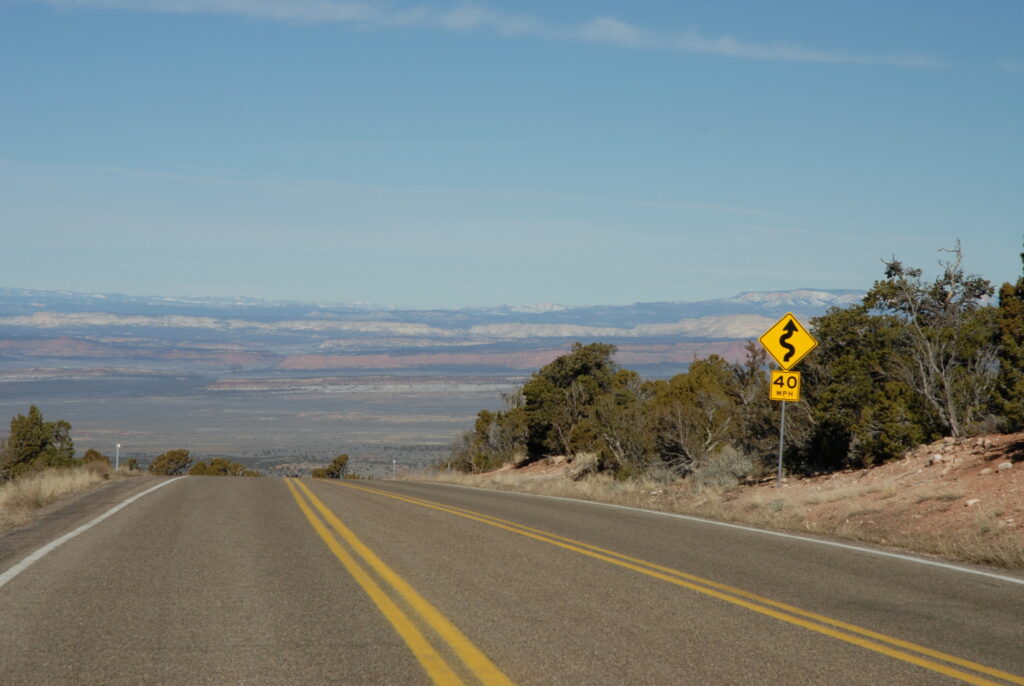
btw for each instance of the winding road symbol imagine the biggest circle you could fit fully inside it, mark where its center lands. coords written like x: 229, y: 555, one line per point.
x: 789, y: 329
x: 787, y: 341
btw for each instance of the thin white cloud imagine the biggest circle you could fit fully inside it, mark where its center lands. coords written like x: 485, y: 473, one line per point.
x: 379, y: 144
x: 470, y: 18
x: 1015, y: 66
x: 125, y: 171
x: 312, y: 11
x: 608, y: 30
x: 478, y: 18
x: 709, y: 207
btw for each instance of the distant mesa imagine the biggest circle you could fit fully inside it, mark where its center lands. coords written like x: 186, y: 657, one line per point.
x: 203, y: 335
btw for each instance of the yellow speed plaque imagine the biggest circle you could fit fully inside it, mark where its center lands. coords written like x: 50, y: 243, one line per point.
x: 785, y: 386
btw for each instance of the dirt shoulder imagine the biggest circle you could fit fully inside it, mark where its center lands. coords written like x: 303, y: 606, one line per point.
x: 959, y: 499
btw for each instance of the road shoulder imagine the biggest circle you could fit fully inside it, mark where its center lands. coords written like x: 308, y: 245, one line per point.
x: 67, y: 514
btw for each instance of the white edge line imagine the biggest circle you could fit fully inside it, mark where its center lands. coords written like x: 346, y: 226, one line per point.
x: 766, y: 532
x: 52, y: 545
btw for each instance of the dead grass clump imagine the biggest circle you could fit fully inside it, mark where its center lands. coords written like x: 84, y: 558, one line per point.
x: 598, y: 487
x: 941, y: 497
x: 21, y: 497
x: 979, y: 546
x: 103, y: 470
x: 519, y: 457
x: 721, y: 471
x: 583, y: 465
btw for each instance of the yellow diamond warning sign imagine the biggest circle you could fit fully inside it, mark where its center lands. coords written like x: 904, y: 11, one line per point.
x: 788, y: 341
x: 785, y: 386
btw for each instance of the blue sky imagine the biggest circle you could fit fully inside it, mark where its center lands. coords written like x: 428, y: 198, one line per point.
x: 449, y: 154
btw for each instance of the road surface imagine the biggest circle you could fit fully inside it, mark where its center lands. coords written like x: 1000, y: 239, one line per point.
x: 213, y: 580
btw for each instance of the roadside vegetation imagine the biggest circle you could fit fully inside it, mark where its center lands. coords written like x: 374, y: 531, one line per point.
x: 38, y: 466
x: 20, y: 498
x: 337, y: 469
x: 915, y: 362
x: 220, y: 466
x: 952, y: 512
x: 178, y: 462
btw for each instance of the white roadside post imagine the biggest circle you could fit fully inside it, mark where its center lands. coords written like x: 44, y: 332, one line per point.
x: 117, y: 457
x: 394, y: 468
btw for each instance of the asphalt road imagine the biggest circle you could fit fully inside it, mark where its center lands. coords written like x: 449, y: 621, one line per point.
x: 211, y: 580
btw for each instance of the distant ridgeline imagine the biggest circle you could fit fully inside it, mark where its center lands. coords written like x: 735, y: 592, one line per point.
x: 47, y: 329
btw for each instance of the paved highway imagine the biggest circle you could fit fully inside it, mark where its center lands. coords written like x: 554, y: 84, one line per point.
x: 209, y: 580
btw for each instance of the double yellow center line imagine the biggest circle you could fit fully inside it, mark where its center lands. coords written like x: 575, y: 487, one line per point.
x: 417, y: 615
x: 936, y: 661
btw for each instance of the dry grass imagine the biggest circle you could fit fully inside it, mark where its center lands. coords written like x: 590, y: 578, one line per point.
x: 599, y: 487
x: 20, y: 498
x: 940, y: 496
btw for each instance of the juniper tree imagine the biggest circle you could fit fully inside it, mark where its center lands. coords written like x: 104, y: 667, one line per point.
x: 696, y: 414
x: 861, y: 409
x: 337, y: 468
x: 1010, y: 384
x: 558, y: 398
x: 945, y: 351
x: 171, y: 463
x: 35, y: 444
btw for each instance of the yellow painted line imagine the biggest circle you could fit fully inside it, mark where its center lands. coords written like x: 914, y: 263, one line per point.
x: 437, y: 669
x: 735, y: 595
x: 707, y: 582
x: 478, y: 663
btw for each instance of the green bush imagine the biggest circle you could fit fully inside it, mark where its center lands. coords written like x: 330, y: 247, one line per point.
x: 171, y: 463
x: 99, y: 468
x: 220, y: 466
x: 93, y: 455
x: 338, y: 467
x: 199, y: 469
x: 35, y: 444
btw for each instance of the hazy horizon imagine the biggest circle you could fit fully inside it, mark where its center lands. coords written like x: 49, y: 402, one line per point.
x: 199, y: 297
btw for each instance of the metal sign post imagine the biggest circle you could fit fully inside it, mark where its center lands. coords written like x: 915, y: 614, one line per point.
x: 782, y: 434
